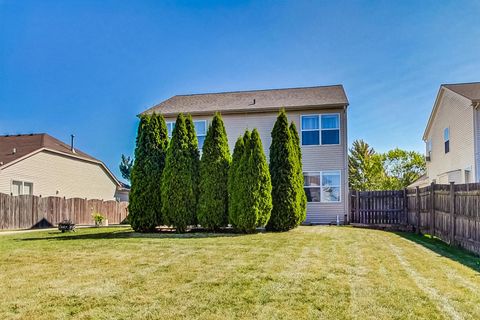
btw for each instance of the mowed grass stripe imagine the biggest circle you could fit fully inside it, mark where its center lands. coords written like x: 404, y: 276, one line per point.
x: 382, y: 289
x: 307, y: 273
x: 454, y: 283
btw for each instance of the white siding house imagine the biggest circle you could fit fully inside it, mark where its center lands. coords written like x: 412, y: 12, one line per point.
x: 320, y: 115
x: 41, y: 165
x: 452, y: 135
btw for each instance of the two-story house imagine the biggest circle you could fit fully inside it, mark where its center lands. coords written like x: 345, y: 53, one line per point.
x: 452, y: 135
x: 320, y: 114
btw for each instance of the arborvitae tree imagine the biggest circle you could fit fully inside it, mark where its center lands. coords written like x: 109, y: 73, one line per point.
x: 301, y: 196
x: 177, y: 188
x: 261, y: 178
x: 233, y: 186
x: 213, y: 200
x: 284, y: 174
x: 194, y: 164
x: 253, y: 186
x: 146, y: 176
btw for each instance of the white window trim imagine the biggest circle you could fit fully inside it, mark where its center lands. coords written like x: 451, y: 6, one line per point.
x: 320, y: 173
x: 319, y: 187
x: 446, y: 140
x: 339, y: 186
x: 206, y: 128
x: 22, y: 186
x: 198, y: 135
x: 171, y: 123
x: 319, y: 115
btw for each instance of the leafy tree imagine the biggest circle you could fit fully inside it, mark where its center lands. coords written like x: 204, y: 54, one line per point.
x: 254, y: 188
x: 233, y: 185
x: 402, y: 168
x: 178, y: 192
x: 194, y: 164
x: 214, y: 166
x: 146, y: 175
x: 365, y: 167
x: 393, y: 170
x: 286, y: 211
x: 126, y: 164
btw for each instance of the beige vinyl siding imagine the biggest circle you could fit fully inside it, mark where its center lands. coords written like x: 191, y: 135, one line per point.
x: 455, y: 112
x: 476, y: 177
x: 315, y: 158
x: 51, y: 172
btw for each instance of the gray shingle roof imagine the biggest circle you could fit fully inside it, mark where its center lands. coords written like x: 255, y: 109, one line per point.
x: 468, y: 90
x: 253, y: 101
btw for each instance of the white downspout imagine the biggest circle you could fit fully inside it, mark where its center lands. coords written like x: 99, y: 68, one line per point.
x: 475, y: 144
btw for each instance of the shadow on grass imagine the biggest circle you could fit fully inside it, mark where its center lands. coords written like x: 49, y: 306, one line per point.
x: 438, y: 246
x: 130, y: 234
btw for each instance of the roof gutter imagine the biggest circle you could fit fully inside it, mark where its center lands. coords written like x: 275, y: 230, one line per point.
x: 253, y: 110
x: 75, y: 156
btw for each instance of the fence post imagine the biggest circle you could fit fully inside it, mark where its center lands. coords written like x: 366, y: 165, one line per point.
x: 432, y: 208
x: 357, y: 206
x: 349, y: 217
x: 417, y: 207
x: 452, y: 213
x: 405, y: 206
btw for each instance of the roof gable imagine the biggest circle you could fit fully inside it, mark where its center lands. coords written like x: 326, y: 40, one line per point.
x: 14, y: 148
x: 469, y: 91
x: 252, y: 101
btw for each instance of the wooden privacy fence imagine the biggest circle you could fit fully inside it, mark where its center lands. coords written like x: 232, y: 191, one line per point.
x: 378, y: 207
x: 23, y: 212
x: 449, y: 212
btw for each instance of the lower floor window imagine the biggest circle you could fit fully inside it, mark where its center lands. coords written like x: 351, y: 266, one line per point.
x: 323, y: 186
x: 21, y: 188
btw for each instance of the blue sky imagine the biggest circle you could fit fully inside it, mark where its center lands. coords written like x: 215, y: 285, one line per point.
x: 88, y: 67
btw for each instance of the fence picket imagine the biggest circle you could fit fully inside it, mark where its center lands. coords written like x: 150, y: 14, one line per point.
x: 22, y: 212
x: 449, y: 212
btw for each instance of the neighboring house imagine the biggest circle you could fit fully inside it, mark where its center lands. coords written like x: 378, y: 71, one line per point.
x: 39, y: 164
x: 452, y: 135
x: 320, y: 114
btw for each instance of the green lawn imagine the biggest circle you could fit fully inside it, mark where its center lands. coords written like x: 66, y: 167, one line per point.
x: 308, y: 273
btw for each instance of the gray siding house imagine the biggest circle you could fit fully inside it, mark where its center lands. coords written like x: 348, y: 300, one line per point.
x: 452, y: 135
x: 320, y: 114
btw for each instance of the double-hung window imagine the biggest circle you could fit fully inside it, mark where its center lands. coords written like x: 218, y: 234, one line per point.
x: 446, y: 139
x: 170, y: 127
x: 322, y: 186
x: 320, y: 129
x: 200, y: 130
x: 21, y: 187
x: 312, y: 186
x: 330, y: 186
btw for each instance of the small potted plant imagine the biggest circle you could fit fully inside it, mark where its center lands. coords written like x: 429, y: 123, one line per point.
x: 99, y: 220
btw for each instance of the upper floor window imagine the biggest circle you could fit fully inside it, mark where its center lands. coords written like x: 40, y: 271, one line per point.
x: 170, y: 127
x: 200, y: 130
x: 320, y: 129
x: 21, y: 187
x: 428, y: 149
x: 446, y: 139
